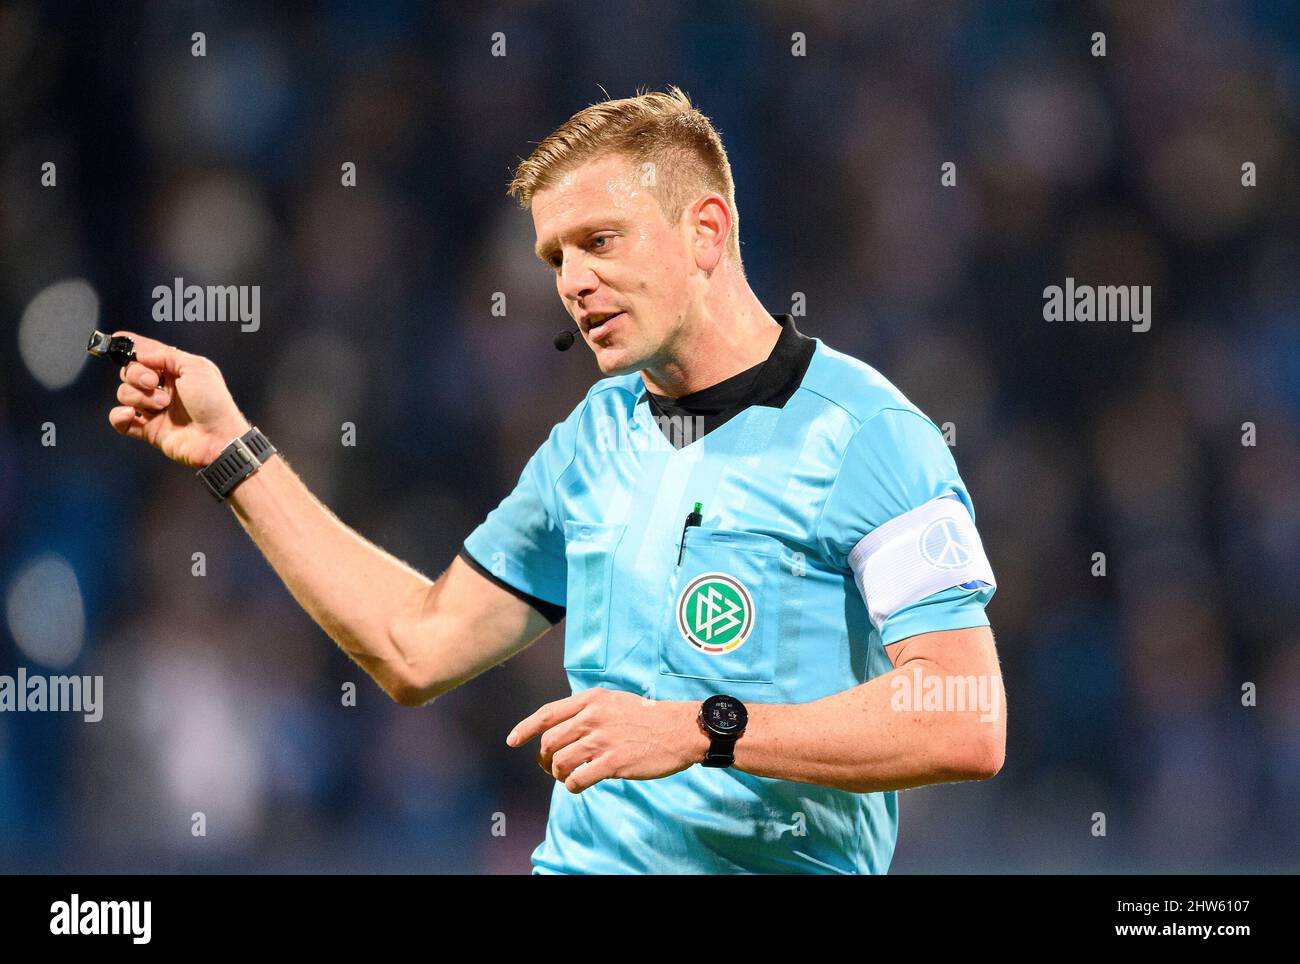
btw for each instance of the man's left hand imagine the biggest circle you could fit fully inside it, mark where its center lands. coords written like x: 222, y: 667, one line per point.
x: 601, y: 733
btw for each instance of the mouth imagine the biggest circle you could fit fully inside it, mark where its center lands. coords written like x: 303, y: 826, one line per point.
x: 599, y: 323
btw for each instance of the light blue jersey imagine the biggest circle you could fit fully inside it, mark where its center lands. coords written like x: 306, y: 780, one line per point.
x: 763, y: 600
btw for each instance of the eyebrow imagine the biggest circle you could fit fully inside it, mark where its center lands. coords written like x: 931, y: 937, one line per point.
x: 546, y: 250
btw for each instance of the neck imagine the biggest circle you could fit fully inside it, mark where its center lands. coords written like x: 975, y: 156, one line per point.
x: 724, y: 336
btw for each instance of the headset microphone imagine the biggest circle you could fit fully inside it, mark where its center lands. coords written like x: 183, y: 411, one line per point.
x: 565, y: 339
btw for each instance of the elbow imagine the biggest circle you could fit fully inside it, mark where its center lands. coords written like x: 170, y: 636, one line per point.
x: 405, y: 694
x: 407, y: 677
x: 408, y: 687
x: 984, y: 756
x: 406, y: 684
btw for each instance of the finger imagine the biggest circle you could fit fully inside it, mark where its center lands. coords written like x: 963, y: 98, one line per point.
x: 545, y: 718
x: 134, y: 373
x: 558, y: 737
x: 154, y: 354
x: 154, y: 401
x: 124, y: 420
x: 569, y: 758
x: 589, y: 774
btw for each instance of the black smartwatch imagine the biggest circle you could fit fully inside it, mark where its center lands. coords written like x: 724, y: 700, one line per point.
x: 237, y: 461
x: 723, y: 719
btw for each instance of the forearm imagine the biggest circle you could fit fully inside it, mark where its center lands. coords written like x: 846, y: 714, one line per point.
x: 352, y: 588
x: 865, y: 739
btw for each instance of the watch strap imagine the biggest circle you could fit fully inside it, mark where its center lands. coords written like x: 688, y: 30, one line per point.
x: 722, y: 751
x: 237, y: 461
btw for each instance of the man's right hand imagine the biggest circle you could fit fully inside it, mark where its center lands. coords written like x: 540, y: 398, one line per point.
x: 191, y: 418
x: 417, y: 637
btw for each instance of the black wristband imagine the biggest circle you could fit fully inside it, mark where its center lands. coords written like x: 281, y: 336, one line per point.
x: 237, y: 461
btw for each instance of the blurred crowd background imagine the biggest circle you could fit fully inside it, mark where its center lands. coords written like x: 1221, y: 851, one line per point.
x: 223, y: 697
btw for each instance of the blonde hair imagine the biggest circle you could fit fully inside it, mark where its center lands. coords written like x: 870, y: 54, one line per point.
x: 664, y: 129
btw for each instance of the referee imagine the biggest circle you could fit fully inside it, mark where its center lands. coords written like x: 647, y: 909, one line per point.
x: 767, y: 563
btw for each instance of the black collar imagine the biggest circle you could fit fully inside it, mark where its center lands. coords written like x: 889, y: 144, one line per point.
x: 769, y: 383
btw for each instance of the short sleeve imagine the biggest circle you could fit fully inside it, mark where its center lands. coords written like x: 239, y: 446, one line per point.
x: 520, y: 545
x: 899, y: 517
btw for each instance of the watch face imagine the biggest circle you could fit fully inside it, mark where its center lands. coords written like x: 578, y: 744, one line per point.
x: 724, y: 715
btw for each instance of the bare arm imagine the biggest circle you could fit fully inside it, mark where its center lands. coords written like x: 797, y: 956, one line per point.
x: 938, y: 716
x: 418, y: 638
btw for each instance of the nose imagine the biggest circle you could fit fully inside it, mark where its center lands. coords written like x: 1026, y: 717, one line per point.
x: 576, y: 279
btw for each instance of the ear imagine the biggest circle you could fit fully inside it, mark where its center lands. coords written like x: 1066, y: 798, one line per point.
x: 709, y: 221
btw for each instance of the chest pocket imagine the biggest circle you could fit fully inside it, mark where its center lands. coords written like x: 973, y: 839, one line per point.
x: 589, y: 548
x: 726, y: 603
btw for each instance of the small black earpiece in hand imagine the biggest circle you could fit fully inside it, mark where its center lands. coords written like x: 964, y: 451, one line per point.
x: 120, y: 348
